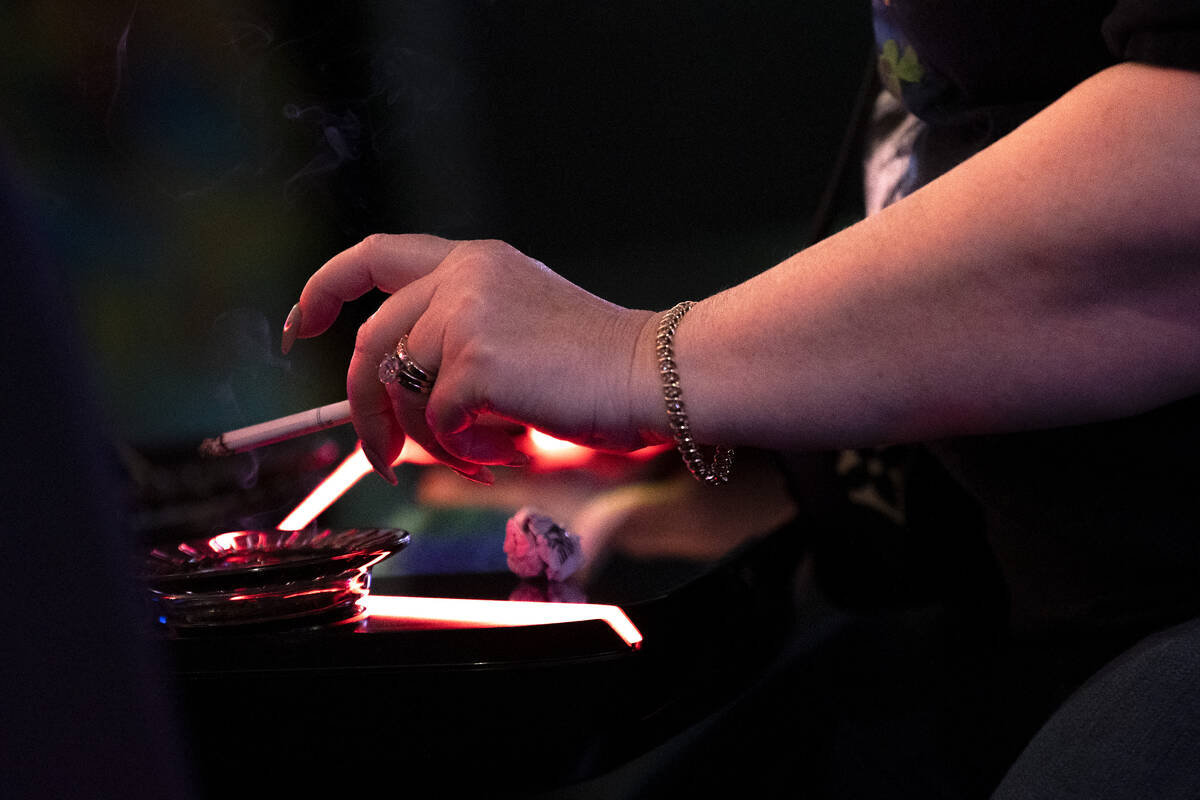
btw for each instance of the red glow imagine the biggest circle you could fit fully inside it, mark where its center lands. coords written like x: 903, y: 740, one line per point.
x: 226, y: 541
x: 549, y: 453
x: 413, y: 453
x: 546, y: 452
x: 348, y: 473
x: 456, y: 612
x: 648, y: 452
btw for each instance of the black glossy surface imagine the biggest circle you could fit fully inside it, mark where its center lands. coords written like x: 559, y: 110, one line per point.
x: 427, y: 702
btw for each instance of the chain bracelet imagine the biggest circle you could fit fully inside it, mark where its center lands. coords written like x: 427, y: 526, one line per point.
x: 718, y: 472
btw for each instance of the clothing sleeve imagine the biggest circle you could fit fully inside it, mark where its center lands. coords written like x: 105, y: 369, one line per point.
x: 1161, y: 32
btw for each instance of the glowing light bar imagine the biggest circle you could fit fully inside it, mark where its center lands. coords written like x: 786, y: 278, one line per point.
x: 500, y: 613
x: 338, y: 482
x: 348, y: 473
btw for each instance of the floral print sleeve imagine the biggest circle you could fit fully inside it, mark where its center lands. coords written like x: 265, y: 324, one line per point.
x: 901, y: 69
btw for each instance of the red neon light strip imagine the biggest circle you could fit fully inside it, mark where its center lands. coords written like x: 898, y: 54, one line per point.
x: 341, y: 480
x: 500, y: 613
x: 348, y: 473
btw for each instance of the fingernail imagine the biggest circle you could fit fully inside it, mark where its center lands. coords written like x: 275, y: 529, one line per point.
x: 291, y: 327
x: 380, y: 465
x: 484, y: 476
x: 519, y: 460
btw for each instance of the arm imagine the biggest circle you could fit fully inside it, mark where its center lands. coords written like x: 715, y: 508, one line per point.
x: 1052, y: 279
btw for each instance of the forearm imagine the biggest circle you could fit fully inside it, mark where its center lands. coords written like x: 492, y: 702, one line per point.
x: 1052, y: 279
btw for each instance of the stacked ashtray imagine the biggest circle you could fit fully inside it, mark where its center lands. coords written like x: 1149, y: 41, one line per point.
x: 258, y: 580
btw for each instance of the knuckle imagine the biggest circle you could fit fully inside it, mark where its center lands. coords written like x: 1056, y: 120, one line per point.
x: 474, y: 359
x: 374, y: 244
x: 501, y: 251
x: 495, y: 246
x: 485, y: 252
x: 364, y: 344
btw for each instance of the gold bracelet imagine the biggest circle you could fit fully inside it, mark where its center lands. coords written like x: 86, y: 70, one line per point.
x: 718, y: 472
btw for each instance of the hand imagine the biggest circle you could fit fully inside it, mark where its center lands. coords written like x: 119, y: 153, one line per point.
x: 507, y: 338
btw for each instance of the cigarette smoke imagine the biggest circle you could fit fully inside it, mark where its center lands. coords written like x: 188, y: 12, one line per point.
x: 243, y: 344
x: 337, y: 138
x: 121, y: 56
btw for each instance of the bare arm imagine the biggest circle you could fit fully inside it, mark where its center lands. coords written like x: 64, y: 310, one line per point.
x: 1052, y: 279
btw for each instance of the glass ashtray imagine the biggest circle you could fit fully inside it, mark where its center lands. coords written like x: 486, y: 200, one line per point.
x: 266, y: 579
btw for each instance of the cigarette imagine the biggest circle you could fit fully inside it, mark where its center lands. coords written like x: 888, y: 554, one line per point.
x: 277, y: 430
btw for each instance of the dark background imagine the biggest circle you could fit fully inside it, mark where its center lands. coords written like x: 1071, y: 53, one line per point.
x: 190, y: 165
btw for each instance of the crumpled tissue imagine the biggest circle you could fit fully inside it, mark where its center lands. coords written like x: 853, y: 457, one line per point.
x: 536, y: 545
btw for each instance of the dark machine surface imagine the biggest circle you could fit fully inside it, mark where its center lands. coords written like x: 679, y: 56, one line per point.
x: 513, y: 709
x: 833, y: 654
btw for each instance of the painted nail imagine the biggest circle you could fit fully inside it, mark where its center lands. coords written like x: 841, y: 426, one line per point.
x: 291, y: 327
x: 484, y: 476
x: 380, y: 465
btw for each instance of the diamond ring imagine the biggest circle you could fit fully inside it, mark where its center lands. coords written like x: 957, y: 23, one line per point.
x: 399, y: 367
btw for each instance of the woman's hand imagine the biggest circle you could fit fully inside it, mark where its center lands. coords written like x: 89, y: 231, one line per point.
x: 507, y: 338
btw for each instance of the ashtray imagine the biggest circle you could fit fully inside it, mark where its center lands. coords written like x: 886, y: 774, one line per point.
x: 265, y: 579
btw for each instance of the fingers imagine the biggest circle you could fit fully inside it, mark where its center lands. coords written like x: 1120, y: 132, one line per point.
x: 381, y: 261
x: 371, y: 407
x: 384, y: 414
x: 409, y: 408
x: 425, y: 342
x: 444, y: 422
x: 376, y: 423
x: 453, y: 419
x: 384, y: 262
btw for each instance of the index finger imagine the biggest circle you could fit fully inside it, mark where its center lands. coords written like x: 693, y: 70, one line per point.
x: 381, y: 261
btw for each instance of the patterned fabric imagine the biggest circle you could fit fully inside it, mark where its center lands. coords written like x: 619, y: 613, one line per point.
x: 1092, y: 525
x: 900, y: 69
x: 971, y: 72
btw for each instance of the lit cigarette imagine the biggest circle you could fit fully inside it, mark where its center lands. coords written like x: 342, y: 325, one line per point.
x: 277, y: 430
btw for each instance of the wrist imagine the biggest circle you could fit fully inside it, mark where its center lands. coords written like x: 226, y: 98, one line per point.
x: 713, y: 473
x: 645, y: 385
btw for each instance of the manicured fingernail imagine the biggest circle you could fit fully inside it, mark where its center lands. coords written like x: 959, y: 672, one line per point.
x: 291, y: 327
x: 380, y: 465
x: 484, y: 476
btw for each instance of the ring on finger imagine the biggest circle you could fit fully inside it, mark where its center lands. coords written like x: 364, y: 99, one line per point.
x: 410, y: 364
x: 399, y: 367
